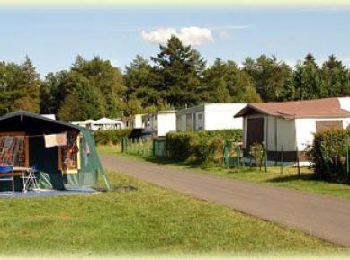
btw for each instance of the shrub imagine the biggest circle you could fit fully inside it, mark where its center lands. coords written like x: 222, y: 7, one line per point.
x: 257, y: 152
x: 199, y: 146
x: 328, y: 153
x: 110, y: 136
x: 179, y: 145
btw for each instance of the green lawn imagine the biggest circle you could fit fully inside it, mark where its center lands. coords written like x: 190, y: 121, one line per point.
x: 290, y: 179
x: 146, y: 220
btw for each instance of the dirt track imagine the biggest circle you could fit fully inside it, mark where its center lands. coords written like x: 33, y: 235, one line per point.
x: 322, y: 216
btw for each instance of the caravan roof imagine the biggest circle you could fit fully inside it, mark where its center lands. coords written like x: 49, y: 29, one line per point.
x: 318, y: 108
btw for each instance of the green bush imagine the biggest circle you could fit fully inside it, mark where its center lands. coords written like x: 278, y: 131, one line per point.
x: 178, y: 145
x: 328, y: 153
x: 199, y: 146
x: 110, y: 136
x: 257, y: 152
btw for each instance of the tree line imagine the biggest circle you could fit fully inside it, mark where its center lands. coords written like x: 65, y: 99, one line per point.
x: 177, y: 76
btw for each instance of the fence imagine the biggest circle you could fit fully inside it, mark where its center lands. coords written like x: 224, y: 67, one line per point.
x: 146, y: 148
x: 139, y: 147
x: 234, y: 156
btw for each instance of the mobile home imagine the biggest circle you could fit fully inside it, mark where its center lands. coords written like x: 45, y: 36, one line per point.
x: 211, y: 116
x: 290, y: 126
x: 161, y: 122
x: 134, y: 121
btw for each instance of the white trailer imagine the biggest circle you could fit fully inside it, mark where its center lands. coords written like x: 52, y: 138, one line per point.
x: 210, y: 116
x: 161, y: 122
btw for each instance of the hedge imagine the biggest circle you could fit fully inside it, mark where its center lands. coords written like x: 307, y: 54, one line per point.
x: 328, y: 154
x: 110, y: 136
x: 199, y: 146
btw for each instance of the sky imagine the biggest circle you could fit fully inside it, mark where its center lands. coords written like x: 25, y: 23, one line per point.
x: 53, y: 36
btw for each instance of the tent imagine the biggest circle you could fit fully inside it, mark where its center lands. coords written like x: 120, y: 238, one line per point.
x: 75, y: 164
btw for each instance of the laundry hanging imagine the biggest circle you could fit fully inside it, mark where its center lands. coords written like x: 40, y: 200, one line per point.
x: 54, y: 140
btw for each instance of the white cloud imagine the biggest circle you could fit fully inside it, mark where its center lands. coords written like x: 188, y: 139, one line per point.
x: 195, y: 35
x: 188, y: 35
x: 159, y: 36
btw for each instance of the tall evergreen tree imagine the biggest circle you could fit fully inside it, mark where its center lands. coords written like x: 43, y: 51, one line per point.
x: 273, y: 78
x: 142, y: 81
x: 307, y: 80
x: 20, y: 87
x: 335, y: 78
x: 235, y: 80
x: 181, y: 68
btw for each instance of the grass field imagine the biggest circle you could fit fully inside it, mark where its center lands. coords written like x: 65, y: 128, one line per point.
x: 290, y: 179
x: 139, y: 218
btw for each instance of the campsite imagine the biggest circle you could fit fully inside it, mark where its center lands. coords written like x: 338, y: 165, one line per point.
x: 174, y: 129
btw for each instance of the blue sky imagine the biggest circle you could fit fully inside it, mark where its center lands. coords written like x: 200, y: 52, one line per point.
x: 53, y: 37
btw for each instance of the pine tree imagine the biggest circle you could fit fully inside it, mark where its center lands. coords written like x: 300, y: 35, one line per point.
x: 272, y: 77
x: 307, y: 80
x: 181, y: 69
x: 335, y: 78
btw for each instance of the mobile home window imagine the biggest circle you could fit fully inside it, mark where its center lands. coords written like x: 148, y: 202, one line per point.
x: 328, y: 125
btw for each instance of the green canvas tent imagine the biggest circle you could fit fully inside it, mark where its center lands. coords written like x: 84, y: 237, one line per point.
x: 22, y: 144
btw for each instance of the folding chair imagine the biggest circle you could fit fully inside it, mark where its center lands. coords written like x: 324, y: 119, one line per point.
x: 30, y: 181
x: 36, y: 184
x: 7, y: 172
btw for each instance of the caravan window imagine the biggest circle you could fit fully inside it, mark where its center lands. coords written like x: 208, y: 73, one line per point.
x: 322, y: 126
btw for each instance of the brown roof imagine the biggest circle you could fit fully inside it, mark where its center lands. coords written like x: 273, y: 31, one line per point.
x: 326, y: 107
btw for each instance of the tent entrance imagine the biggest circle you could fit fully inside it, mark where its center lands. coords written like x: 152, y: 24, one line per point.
x: 46, y: 161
